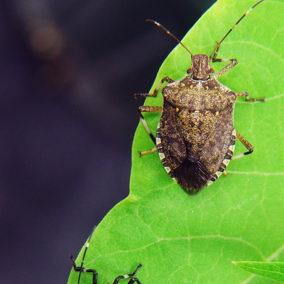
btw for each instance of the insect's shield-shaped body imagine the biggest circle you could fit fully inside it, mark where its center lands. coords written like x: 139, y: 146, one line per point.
x: 196, y: 137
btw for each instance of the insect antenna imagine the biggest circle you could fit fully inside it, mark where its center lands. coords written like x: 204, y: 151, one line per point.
x: 215, y: 52
x: 168, y: 33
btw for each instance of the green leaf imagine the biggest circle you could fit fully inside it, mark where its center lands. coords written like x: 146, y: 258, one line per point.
x: 272, y: 270
x: 193, y: 239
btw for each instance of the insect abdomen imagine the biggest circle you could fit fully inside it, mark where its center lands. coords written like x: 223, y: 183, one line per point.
x: 192, y: 175
x: 192, y: 150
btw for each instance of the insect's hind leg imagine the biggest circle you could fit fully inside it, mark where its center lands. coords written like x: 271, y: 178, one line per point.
x: 131, y: 276
x: 249, y: 99
x: 156, y: 91
x: 246, y: 144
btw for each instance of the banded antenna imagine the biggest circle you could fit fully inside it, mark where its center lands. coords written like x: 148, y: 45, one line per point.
x: 215, y: 52
x: 168, y: 33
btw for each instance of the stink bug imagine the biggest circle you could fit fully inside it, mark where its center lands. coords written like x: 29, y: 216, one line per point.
x: 196, y: 137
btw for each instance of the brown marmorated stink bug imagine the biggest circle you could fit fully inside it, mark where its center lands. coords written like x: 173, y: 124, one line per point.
x: 196, y: 137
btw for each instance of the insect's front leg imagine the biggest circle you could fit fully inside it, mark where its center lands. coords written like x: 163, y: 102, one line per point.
x: 250, y: 99
x: 131, y: 276
x: 157, y: 89
x: 232, y: 64
x: 246, y: 144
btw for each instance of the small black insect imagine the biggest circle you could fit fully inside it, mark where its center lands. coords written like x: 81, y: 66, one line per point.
x: 81, y: 269
x: 131, y: 276
x: 196, y: 137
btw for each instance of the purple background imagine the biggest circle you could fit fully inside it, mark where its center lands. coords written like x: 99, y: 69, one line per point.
x: 67, y: 118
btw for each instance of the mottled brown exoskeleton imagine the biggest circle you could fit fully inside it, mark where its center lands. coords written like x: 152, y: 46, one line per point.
x: 196, y: 137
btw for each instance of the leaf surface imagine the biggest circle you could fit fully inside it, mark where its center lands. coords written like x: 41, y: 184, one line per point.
x: 193, y: 239
x: 271, y: 270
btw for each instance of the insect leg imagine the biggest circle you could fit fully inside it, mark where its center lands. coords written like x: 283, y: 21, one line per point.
x: 249, y: 99
x: 143, y: 153
x: 232, y: 64
x: 144, y: 122
x: 131, y: 276
x: 246, y: 144
x: 147, y: 128
x: 156, y: 91
x: 150, y: 109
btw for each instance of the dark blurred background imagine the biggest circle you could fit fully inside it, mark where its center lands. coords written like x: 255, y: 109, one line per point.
x: 67, y: 119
